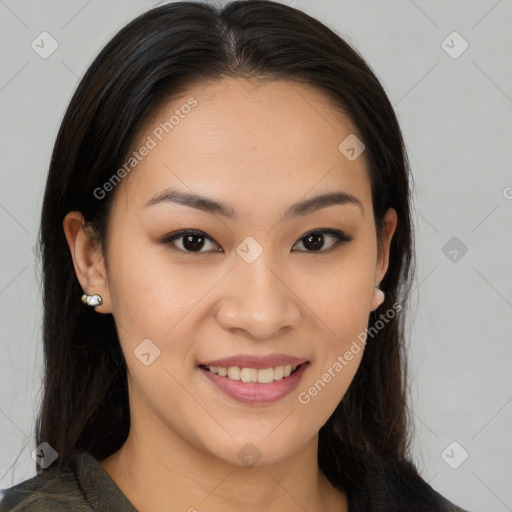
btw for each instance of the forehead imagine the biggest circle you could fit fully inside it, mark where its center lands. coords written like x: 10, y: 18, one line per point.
x: 260, y: 142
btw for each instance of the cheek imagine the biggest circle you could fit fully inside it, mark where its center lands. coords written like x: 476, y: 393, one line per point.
x: 339, y: 295
x: 149, y: 294
x: 328, y: 381
x: 342, y: 307
x: 340, y: 298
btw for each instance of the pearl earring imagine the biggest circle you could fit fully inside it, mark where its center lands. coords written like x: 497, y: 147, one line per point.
x: 92, y: 300
x: 378, y: 298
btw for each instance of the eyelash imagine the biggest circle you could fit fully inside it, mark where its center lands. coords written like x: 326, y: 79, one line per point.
x: 340, y: 236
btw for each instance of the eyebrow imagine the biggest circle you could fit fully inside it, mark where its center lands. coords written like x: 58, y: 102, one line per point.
x: 208, y: 205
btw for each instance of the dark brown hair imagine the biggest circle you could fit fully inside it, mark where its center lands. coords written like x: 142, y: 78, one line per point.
x: 85, y: 402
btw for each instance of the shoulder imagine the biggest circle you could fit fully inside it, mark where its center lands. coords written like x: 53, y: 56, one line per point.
x: 445, y: 505
x: 55, y: 491
x: 21, y: 498
x: 80, y: 487
x: 385, y: 484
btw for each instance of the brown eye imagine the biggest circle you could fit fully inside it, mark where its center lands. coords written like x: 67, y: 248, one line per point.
x: 195, y: 241
x: 315, y: 240
x: 191, y: 241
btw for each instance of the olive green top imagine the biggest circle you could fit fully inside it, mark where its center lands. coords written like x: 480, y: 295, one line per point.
x: 86, y: 486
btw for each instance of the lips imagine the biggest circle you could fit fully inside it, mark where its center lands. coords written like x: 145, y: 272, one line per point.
x: 255, y: 393
x: 255, y: 380
x: 248, y: 361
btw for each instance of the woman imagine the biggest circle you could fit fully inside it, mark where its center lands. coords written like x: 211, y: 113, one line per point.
x: 229, y: 198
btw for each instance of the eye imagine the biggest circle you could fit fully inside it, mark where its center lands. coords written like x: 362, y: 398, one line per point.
x: 190, y: 240
x: 314, y: 240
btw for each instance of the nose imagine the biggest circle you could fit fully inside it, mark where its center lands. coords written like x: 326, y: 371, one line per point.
x: 258, y: 301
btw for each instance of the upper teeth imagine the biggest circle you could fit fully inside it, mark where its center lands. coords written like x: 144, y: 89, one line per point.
x: 264, y: 375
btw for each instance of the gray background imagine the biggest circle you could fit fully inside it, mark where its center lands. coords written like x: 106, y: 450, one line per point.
x: 456, y: 117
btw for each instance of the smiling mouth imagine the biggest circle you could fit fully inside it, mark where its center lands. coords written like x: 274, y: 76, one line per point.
x: 260, y: 376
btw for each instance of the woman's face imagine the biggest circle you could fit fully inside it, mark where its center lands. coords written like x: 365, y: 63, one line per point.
x: 251, y: 286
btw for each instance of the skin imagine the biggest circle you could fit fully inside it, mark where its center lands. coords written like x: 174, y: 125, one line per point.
x: 259, y: 148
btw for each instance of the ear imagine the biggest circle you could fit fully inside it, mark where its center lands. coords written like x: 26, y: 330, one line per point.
x: 389, y: 226
x: 88, y: 259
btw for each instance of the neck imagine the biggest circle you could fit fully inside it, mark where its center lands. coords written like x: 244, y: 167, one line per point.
x: 175, y: 475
